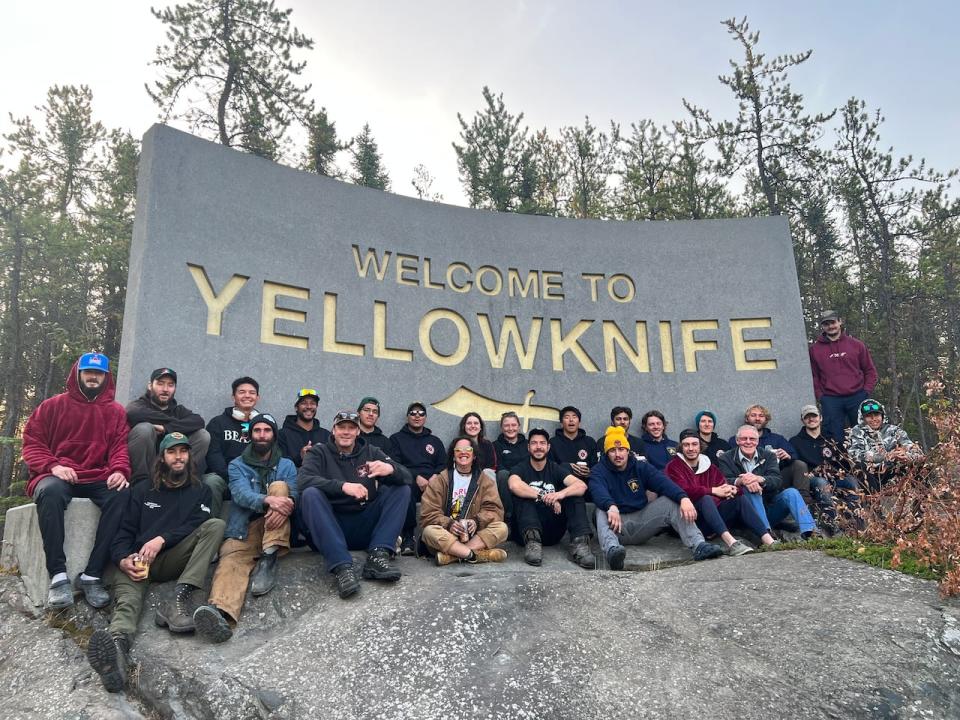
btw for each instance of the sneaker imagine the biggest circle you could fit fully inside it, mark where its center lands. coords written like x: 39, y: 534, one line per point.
x: 444, y: 559
x: 177, y: 615
x: 739, y: 548
x: 491, y: 555
x: 94, y: 592
x: 407, y: 547
x: 378, y: 567
x: 615, y: 557
x: 211, y: 624
x: 581, y: 554
x: 706, y: 551
x: 532, y: 548
x: 60, y: 595
x: 107, y: 655
x: 814, y: 534
x: 264, y: 575
x: 347, y: 583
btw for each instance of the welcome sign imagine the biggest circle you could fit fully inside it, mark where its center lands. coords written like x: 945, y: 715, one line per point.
x: 240, y: 266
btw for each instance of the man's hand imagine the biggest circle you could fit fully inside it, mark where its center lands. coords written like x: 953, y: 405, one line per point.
x: 581, y: 471
x: 687, y: 511
x: 379, y: 468
x: 781, y: 454
x: 128, y: 568
x: 753, y: 483
x: 117, y: 481
x: 613, y: 519
x: 724, y: 491
x: 355, y: 490
x: 422, y: 482
x: 151, y: 549
x: 158, y: 429
x: 67, y: 474
x: 552, y: 500
x: 273, y: 520
x: 305, y: 449
x: 280, y: 504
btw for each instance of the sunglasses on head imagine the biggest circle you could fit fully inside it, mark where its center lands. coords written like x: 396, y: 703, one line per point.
x: 417, y: 413
x: 871, y: 408
x: 345, y: 415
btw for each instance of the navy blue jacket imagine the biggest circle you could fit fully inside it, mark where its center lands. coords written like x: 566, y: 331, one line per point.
x: 659, y: 453
x: 627, y: 488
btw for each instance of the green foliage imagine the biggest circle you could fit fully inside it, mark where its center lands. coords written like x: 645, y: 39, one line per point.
x: 322, y: 145
x: 367, y: 163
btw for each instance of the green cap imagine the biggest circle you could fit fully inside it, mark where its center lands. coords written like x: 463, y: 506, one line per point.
x: 172, y: 440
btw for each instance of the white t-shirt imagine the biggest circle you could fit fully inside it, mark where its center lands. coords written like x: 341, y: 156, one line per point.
x: 460, y: 485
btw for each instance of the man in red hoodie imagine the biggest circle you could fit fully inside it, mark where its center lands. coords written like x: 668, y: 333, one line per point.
x: 843, y: 375
x: 75, y: 445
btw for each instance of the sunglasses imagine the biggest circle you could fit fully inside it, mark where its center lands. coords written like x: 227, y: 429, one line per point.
x: 463, y: 451
x: 870, y: 408
x: 345, y: 415
x: 304, y: 392
x: 417, y: 413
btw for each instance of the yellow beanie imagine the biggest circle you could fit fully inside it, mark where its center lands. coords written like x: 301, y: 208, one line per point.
x: 615, y: 437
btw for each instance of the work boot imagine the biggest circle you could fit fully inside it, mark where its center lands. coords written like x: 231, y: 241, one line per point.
x: 347, y: 583
x: 491, y: 555
x: 60, y: 595
x: 264, y: 575
x: 177, y: 615
x: 445, y: 559
x: 706, y: 551
x: 378, y: 567
x: 532, y: 549
x: 108, y: 656
x: 407, y: 547
x: 94, y: 592
x: 211, y: 624
x: 615, y: 557
x: 580, y: 552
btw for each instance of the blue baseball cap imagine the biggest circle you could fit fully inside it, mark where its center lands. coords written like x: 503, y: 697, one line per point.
x: 94, y: 361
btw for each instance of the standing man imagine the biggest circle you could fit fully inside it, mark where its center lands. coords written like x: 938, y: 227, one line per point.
x: 572, y: 448
x: 75, y: 445
x: 155, y: 414
x: 548, y: 501
x: 843, y: 375
x: 302, y: 430
x: 369, y: 413
x: 263, y: 485
x: 422, y: 453
x: 229, y: 437
x: 166, y: 534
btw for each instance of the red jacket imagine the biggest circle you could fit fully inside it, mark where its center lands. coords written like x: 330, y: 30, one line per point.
x: 841, y: 367
x: 696, y: 484
x: 89, y: 436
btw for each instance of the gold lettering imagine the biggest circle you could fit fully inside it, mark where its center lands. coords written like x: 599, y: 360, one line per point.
x: 509, y: 331
x: 561, y: 343
x: 380, y: 349
x: 613, y: 337
x: 552, y: 281
x: 427, y: 282
x: 330, y: 342
x: 463, y: 267
x: 498, y: 280
x: 593, y: 279
x: 426, y: 344
x: 216, y: 302
x: 692, y: 346
x: 379, y: 266
x: 631, y: 289
x: 741, y: 345
x: 666, y: 346
x: 513, y: 282
x: 270, y: 313
x: 403, y: 268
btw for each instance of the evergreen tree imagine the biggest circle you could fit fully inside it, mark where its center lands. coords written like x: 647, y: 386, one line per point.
x: 367, y: 162
x: 590, y: 156
x: 322, y: 145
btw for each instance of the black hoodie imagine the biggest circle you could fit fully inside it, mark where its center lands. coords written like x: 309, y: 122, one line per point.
x: 174, y: 417
x: 376, y: 438
x: 228, y: 438
x: 294, y: 438
x: 509, y: 455
x: 421, y: 453
x: 582, y: 448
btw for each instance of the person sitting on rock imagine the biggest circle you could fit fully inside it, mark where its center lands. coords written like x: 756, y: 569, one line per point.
x: 471, y: 426
x: 622, y: 416
x: 461, y: 514
x: 369, y: 413
x: 302, y: 430
x: 263, y: 486
x: 511, y: 448
x: 571, y: 447
x: 658, y: 448
x: 548, y: 501
x: 882, y: 451
x: 75, y: 446
x: 719, y: 504
x: 353, y: 497
x: 167, y: 534
x: 706, y: 424
x: 619, y: 484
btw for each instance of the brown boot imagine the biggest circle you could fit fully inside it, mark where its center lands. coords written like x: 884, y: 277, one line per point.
x: 177, y: 615
x: 491, y: 555
x: 444, y: 559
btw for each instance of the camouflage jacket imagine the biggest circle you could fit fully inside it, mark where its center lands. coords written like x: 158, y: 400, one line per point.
x: 872, y: 446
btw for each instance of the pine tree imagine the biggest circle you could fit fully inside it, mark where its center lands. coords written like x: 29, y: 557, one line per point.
x: 367, y: 162
x: 322, y: 145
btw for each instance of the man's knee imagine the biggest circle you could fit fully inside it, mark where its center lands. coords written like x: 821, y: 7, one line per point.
x: 199, y: 443
x: 142, y: 434
x: 52, y: 490
x: 278, y: 488
x: 213, y: 526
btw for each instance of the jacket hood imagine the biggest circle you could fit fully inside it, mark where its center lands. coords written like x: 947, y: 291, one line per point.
x: 423, y: 433
x: 580, y: 433
x: 290, y: 421
x: 105, y: 396
x: 869, y: 401
x: 521, y: 438
x: 376, y: 431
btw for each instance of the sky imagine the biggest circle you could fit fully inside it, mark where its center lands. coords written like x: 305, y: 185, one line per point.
x: 408, y: 68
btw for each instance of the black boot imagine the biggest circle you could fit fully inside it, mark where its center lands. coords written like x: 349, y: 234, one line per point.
x: 108, y: 655
x: 264, y: 575
x: 177, y: 615
x: 532, y: 547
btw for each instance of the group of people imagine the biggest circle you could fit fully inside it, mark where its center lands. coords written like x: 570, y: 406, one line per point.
x: 160, y: 476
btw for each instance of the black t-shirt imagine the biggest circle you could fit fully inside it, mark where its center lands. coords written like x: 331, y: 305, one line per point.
x: 549, y: 479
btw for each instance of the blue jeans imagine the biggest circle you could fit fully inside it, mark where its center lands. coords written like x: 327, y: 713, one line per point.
x: 333, y: 534
x: 713, y: 519
x: 790, y: 502
x: 840, y: 412
x: 844, y: 488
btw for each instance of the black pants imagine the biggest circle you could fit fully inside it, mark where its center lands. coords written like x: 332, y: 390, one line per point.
x: 410, y: 521
x: 506, y: 497
x: 52, y: 497
x: 713, y: 519
x: 530, y: 515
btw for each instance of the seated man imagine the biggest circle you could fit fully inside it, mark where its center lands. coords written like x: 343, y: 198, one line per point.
x: 369, y: 413
x: 229, y: 437
x: 461, y: 514
x: 548, y: 501
x: 155, y: 414
x: 758, y: 472
x: 619, y: 484
x: 828, y: 464
x: 622, y: 416
x: 793, y: 472
x: 658, y: 448
x: 167, y: 533
x: 75, y: 445
x: 881, y: 450
x: 719, y: 504
x: 572, y: 448
x: 353, y: 497
x: 263, y: 485
x: 302, y: 430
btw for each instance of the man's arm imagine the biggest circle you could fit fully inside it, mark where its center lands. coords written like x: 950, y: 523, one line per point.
x: 399, y: 476
x: 868, y: 369
x: 36, y: 444
x: 216, y: 463
x: 597, y: 482
x: 815, y: 370
x: 183, y: 421
x: 119, y: 458
x: 241, y: 490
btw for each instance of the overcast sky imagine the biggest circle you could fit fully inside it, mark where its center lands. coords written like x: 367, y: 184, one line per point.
x: 407, y: 68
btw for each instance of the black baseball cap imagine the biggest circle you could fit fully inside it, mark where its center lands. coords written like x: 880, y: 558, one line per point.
x: 160, y: 372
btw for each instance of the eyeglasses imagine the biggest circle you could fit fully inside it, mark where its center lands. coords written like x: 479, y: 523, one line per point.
x: 304, y: 392
x: 748, y: 439
x: 417, y: 413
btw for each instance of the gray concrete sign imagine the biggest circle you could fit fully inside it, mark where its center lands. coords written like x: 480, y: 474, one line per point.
x: 240, y: 266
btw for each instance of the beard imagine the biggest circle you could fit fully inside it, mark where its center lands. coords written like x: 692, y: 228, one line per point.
x: 91, y: 392
x: 262, y: 448
x: 302, y: 416
x: 176, y: 478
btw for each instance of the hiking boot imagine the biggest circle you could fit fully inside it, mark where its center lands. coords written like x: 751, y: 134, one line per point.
x: 60, y: 595
x: 532, y: 548
x: 347, y: 583
x: 739, y: 548
x: 378, y: 567
x: 491, y: 555
x: 706, y: 551
x: 211, y: 624
x: 615, y: 557
x: 407, y: 547
x: 264, y: 575
x: 177, y: 615
x: 107, y: 655
x: 581, y: 554
x: 94, y: 592
x: 444, y: 559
